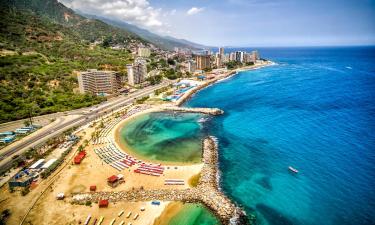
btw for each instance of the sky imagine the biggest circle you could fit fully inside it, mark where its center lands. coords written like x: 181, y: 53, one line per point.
x: 246, y: 23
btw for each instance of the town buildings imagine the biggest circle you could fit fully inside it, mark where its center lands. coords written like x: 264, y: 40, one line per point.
x: 144, y: 52
x: 99, y: 82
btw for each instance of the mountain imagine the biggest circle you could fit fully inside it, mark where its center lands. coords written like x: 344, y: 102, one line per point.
x: 42, y: 43
x: 166, y: 42
x: 88, y: 29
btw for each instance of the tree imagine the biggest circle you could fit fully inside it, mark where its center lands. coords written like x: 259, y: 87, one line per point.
x: 26, y: 123
x: 155, y: 79
x: 80, y: 148
x: 171, y: 62
x: 107, y: 42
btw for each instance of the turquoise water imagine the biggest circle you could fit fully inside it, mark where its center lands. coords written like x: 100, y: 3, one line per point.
x: 194, y: 214
x: 165, y: 137
x: 314, y: 111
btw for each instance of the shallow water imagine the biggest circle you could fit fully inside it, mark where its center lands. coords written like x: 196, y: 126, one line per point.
x: 168, y: 137
x: 194, y: 214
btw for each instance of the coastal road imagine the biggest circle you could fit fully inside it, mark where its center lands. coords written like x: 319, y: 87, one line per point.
x: 72, y: 119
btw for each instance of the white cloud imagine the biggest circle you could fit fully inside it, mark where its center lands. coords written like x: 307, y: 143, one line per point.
x: 138, y: 12
x: 194, y: 10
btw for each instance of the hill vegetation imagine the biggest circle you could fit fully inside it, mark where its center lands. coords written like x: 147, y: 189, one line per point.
x: 42, y: 43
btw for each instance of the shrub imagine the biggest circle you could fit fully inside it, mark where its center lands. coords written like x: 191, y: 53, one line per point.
x: 25, y: 191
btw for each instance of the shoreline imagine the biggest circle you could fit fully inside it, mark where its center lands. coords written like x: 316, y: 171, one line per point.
x: 169, y: 211
x: 220, y: 78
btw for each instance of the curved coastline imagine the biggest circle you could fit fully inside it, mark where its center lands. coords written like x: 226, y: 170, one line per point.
x: 236, y: 215
x: 220, y: 78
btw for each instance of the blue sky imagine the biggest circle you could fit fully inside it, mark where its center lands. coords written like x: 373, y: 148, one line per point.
x: 247, y: 22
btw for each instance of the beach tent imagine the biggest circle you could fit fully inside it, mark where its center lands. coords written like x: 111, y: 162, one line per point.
x: 93, y: 188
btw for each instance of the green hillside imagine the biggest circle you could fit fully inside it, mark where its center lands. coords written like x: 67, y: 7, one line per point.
x: 40, y: 48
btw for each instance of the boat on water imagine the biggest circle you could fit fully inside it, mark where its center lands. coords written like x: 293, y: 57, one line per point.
x: 202, y: 120
x: 293, y: 169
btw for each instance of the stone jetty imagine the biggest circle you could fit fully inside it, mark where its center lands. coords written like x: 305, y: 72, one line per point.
x: 207, y: 191
x: 210, y: 111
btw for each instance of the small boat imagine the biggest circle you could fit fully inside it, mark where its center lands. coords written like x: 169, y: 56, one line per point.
x: 202, y: 120
x: 293, y: 169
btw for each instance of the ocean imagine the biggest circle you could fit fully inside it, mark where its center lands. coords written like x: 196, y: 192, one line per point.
x: 314, y: 111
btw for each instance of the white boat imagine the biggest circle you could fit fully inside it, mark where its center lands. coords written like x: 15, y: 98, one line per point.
x: 202, y: 120
x: 293, y: 169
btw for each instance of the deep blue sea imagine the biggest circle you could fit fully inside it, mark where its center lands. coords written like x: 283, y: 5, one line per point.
x: 315, y: 111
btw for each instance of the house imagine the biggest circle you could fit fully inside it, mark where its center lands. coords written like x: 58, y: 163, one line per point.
x: 112, y: 181
x: 115, y: 180
x: 22, y: 179
x: 103, y: 203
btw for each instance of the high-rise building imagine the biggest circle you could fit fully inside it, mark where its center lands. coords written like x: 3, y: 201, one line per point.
x: 99, y: 82
x: 247, y: 58
x: 137, y: 71
x: 202, y: 62
x: 221, y: 51
x: 221, y: 56
x: 232, y: 56
x: 239, y: 56
x: 191, y: 66
x: 255, y: 55
x: 144, y: 52
x: 218, y: 60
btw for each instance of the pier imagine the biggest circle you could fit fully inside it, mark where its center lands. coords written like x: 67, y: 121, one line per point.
x: 207, y: 191
x: 209, y: 111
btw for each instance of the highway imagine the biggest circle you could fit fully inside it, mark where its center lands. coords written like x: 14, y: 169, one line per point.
x: 85, y: 116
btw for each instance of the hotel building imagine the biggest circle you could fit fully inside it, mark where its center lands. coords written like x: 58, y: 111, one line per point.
x: 99, y: 82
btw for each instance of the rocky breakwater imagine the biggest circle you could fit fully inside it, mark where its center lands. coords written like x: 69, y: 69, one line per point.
x: 209, y: 111
x: 207, y: 191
